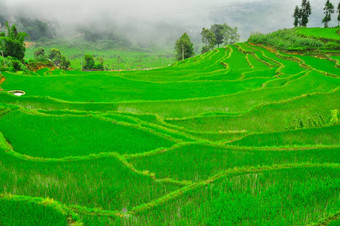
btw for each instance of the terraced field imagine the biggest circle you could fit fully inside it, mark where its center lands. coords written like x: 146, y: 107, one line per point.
x: 239, y: 135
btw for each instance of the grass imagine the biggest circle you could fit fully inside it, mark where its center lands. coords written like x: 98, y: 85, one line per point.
x: 292, y: 114
x: 324, y: 135
x: 110, y: 185
x: 196, y: 162
x: 300, y: 39
x: 105, y: 87
x: 61, y: 136
x: 238, y: 102
x: 24, y: 212
x: 323, y: 33
x: 261, y: 197
x: 245, y: 134
x: 130, y: 58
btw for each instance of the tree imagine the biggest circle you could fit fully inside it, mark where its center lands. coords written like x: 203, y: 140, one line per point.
x: 209, y: 40
x: 184, y: 48
x: 217, y: 29
x: 55, y: 56
x: 89, y: 62
x: 230, y: 35
x: 328, y: 11
x: 305, y: 12
x: 64, y: 63
x: 297, y: 17
x: 338, y: 11
x: 100, y: 59
x: 100, y: 65
x: 39, y: 54
x: 12, y: 42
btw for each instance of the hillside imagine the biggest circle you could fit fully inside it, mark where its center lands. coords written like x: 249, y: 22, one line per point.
x: 245, y: 134
x: 129, y: 58
x: 301, y: 39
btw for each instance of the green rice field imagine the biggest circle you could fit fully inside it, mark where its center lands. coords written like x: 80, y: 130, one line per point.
x: 241, y: 135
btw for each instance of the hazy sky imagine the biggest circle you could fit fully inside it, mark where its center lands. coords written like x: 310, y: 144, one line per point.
x: 147, y: 19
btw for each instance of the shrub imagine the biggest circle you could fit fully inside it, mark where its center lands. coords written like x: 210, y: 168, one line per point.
x: 98, y: 67
x: 34, y: 65
x: 286, y: 39
x: 12, y: 64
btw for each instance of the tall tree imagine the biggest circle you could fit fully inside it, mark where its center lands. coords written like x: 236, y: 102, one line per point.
x: 305, y: 12
x: 338, y: 11
x: 217, y: 29
x: 209, y: 40
x: 328, y: 11
x: 184, y: 48
x: 230, y: 35
x: 297, y: 17
x: 12, y: 42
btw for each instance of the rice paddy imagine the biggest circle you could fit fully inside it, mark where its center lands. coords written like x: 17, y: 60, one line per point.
x: 240, y: 135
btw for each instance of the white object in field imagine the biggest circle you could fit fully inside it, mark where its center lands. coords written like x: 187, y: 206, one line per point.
x: 17, y: 92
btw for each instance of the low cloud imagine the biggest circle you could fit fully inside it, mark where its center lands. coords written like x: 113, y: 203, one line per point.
x: 161, y: 21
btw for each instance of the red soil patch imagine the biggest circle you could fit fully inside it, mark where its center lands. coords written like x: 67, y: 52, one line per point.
x: 29, y: 44
x: 2, y: 79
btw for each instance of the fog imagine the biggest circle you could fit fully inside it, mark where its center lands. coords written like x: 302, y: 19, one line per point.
x: 162, y: 21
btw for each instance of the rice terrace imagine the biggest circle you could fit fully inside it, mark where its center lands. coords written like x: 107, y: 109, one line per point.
x: 246, y: 133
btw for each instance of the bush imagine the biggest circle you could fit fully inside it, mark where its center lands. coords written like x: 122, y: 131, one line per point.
x: 98, y: 67
x: 89, y: 62
x: 287, y: 39
x: 332, y: 45
x: 12, y: 64
x: 34, y: 65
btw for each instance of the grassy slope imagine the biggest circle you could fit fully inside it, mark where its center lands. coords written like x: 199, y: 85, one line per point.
x: 130, y: 58
x: 326, y: 33
x: 238, y: 135
x: 300, y: 39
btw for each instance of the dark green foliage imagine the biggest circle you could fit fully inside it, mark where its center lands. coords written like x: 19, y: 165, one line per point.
x: 12, y: 42
x: 65, y: 63
x: 209, y: 40
x: 338, y: 11
x: 12, y: 64
x: 98, y: 67
x: 55, y: 56
x: 217, y: 29
x: 305, y: 12
x: 91, y: 65
x: 328, y: 11
x: 297, y: 17
x: 184, y: 48
x: 302, y: 14
x: 88, y: 62
x: 39, y: 54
